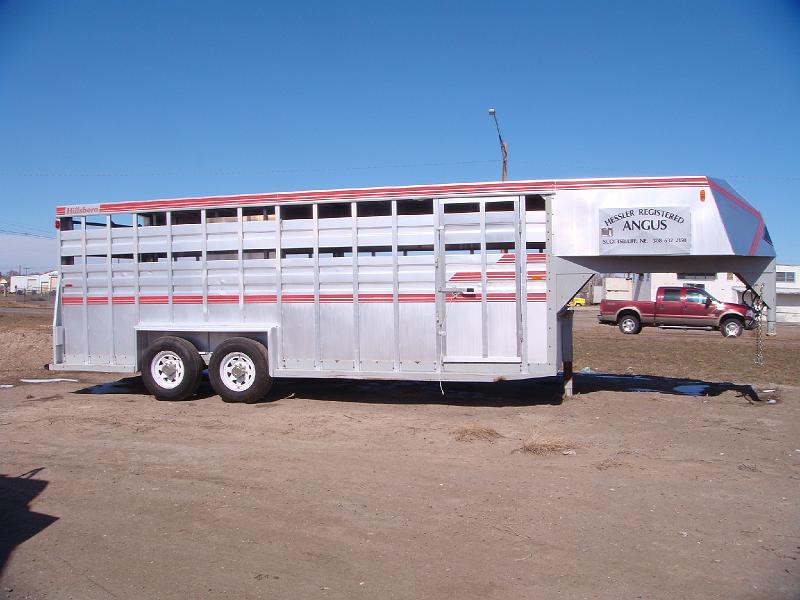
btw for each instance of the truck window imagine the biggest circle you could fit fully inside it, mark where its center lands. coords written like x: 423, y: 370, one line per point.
x: 672, y: 295
x: 696, y: 296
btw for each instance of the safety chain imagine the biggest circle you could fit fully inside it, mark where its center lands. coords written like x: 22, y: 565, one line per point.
x: 758, y: 310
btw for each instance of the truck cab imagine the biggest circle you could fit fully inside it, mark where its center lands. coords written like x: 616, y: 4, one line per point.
x: 678, y: 307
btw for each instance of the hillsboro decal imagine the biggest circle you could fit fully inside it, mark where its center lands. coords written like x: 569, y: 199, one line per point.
x: 646, y: 230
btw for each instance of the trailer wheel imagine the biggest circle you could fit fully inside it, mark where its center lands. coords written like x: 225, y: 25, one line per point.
x: 630, y: 324
x: 238, y: 370
x: 731, y: 327
x: 171, y: 368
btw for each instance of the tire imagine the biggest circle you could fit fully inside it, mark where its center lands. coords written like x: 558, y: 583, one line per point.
x: 731, y: 327
x: 239, y: 371
x: 171, y: 368
x: 630, y: 324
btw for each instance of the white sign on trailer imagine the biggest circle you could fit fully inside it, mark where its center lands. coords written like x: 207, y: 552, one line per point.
x: 645, y: 230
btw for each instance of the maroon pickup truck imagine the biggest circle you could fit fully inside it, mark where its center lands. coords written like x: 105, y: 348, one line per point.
x: 678, y: 307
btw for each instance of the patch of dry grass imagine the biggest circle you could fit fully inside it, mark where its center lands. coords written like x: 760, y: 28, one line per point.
x: 543, y: 446
x: 476, y: 433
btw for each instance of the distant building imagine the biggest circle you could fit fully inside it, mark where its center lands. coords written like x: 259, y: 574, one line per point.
x: 34, y: 283
x: 788, y: 290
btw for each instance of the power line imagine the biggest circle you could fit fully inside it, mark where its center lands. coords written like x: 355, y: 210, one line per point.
x: 25, y: 226
x: 27, y: 234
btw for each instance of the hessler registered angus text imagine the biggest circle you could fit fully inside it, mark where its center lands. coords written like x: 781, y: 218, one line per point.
x: 646, y: 230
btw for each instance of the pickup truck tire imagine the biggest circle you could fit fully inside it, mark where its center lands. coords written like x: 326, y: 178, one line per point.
x: 239, y: 371
x: 731, y: 327
x: 630, y: 324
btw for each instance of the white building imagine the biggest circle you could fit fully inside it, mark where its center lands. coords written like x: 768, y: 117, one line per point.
x: 788, y: 293
x: 34, y: 283
x: 723, y: 286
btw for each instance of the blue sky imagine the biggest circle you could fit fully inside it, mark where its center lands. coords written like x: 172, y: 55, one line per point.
x: 109, y: 100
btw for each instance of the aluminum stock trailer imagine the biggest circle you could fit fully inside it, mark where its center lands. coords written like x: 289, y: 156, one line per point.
x: 451, y: 282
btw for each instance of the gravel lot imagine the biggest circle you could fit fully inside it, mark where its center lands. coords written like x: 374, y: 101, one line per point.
x: 637, y: 487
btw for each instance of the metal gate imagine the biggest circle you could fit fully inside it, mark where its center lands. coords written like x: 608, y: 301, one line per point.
x: 479, y: 280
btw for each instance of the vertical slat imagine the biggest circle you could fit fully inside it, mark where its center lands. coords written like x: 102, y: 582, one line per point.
x: 85, y: 294
x: 57, y: 314
x: 395, y: 288
x: 521, y: 220
x: 356, y: 315
x: 135, y: 223
x: 204, y: 261
x: 110, y: 290
x: 521, y: 266
x: 170, y: 307
x: 279, y: 281
x: 241, y: 263
x: 550, y: 277
x: 439, y: 268
x: 317, y: 341
x: 484, y: 289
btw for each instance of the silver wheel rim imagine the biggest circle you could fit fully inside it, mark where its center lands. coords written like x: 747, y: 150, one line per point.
x: 167, y: 369
x: 237, y: 371
x: 731, y: 328
x: 628, y: 325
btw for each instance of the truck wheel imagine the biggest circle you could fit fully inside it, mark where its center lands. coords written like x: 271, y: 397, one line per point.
x: 630, y: 324
x: 731, y: 327
x: 171, y: 368
x: 238, y: 370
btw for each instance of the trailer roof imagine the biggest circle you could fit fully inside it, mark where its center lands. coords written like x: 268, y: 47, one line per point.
x: 376, y: 193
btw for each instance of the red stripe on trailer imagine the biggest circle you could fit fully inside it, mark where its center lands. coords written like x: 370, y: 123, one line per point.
x: 530, y: 257
x: 398, y: 192
x: 537, y: 297
x: 261, y: 299
x: 417, y: 298
x: 223, y: 299
x: 371, y: 298
x: 476, y: 275
x: 152, y: 299
x: 190, y: 299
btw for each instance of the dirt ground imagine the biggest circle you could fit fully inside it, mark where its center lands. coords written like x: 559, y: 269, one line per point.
x: 643, y: 485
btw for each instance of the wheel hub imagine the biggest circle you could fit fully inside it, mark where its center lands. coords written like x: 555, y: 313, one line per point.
x: 237, y: 371
x: 167, y: 369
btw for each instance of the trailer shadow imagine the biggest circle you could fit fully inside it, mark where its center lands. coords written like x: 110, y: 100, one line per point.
x: 18, y: 522
x: 134, y: 385
x: 506, y: 393
x: 546, y: 391
x: 499, y: 394
x: 585, y: 383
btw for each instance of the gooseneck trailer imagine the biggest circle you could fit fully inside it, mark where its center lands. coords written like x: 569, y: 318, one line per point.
x: 453, y: 282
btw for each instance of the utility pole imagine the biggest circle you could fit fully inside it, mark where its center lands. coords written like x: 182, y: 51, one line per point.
x: 503, y: 146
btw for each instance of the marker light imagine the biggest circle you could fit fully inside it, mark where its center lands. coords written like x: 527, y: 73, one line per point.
x: 702, y: 195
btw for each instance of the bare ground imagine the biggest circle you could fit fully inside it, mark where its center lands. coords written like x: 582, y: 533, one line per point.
x: 340, y: 489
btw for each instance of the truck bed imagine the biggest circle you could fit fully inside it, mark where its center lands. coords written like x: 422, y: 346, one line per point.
x: 610, y: 308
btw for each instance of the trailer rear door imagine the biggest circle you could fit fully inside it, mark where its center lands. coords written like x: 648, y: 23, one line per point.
x: 480, y: 274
